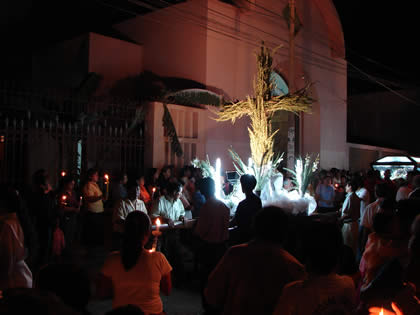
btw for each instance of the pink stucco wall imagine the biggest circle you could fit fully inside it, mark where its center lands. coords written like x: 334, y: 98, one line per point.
x: 113, y: 59
x: 174, y: 39
x: 214, y: 43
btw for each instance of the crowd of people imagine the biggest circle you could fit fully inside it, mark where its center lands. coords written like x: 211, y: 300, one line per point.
x: 358, y: 251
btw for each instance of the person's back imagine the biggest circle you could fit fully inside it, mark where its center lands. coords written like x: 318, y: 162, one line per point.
x: 247, y: 209
x: 324, y: 290
x: 134, y: 275
x: 250, y: 277
x: 140, y: 285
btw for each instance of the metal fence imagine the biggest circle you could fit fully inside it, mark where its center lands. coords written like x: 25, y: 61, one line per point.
x: 53, y: 133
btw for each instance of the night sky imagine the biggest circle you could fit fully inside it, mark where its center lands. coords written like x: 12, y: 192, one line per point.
x: 380, y: 36
x: 381, y: 39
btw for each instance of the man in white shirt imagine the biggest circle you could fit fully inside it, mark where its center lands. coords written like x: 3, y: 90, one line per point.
x: 127, y: 205
x: 366, y: 222
x: 405, y: 190
x: 170, y: 207
x: 350, y: 215
x: 364, y: 197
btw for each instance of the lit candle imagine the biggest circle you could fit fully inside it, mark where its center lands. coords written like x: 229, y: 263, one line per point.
x: 107, y: 185
x: 63, y: 199
x: 63, y: 173
x: 157, y: 225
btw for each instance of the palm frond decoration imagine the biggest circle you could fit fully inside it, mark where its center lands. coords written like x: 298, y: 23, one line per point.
x: 170, y: 127
x: 207, y: 170
x: 262, y: 172
x: 261, y: 108
x: 303, y: 173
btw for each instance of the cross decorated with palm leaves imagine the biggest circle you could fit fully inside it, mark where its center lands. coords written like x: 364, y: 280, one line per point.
x: 261, y: 108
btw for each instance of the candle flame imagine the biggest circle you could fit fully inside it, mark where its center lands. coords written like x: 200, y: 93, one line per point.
x: 64, y: 197
x: 106, y: 176
x: 382, y: 311
x: 154, y: 189
x: 63, y: 173
x: 158, y: 222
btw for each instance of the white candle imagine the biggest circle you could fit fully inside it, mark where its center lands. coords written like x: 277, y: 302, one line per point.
x: 107, y: 185
x: 157, y: 225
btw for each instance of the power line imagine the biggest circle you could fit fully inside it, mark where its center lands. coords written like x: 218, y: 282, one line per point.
x: 241, y: 22
x: 383, y: 85
x: 234, y: 36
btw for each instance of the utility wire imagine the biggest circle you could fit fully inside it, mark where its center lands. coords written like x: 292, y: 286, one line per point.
x: 383, y: 85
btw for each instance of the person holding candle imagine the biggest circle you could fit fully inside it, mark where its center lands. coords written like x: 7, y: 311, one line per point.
x: 43, y: 211
x: 94, y: 218
x: 134, y: 275
x: 170, y: 209
x: 144, y: 193
x: 119, y: 189
x: 69, y: 208
x: 124, y: 208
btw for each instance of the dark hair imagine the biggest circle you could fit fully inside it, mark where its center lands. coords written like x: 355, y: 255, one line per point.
x: 40, y: 177
x: 207, y: 187
x: 120, y: 176
x: 248, y: 182
x: 381, y: 190
x: 165, y: 168
x: 323, y: 245
x: 67, y: 179
x: 388, y: 205
x: 129, y: 309
x: 68, y: 281
x: 172, y: 187
x: 353, y: 184
x: 131, y: 184
x: 137, y: 226
x: 382, y: 223
x: 270, y: 224
x: 91, y: 172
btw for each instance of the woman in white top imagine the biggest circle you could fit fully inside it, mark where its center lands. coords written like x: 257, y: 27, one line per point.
x: 135, y: 275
